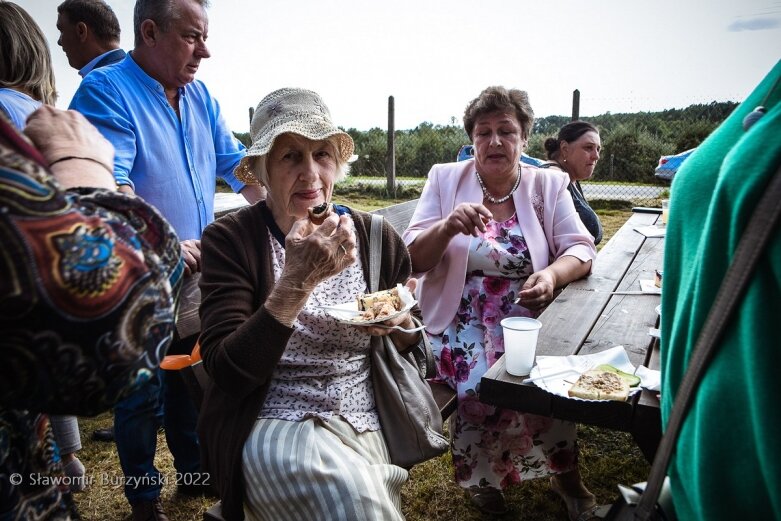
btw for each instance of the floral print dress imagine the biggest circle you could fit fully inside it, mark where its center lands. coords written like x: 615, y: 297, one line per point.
x: 492, y: 446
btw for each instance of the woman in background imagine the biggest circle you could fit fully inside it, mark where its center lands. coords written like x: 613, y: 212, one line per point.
x: 576, y: 151
x: 494, y: 238
x: 26, y: 73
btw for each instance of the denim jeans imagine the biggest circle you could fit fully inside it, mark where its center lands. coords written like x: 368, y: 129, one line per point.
x: 163, y: 401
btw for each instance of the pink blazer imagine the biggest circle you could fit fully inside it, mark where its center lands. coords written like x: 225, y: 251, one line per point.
x: 542, y: 197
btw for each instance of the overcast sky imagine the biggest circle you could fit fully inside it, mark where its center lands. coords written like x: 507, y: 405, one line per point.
x: 434, y: 56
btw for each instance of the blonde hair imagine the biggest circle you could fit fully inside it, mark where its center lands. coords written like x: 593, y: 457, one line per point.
x: 25, y: 61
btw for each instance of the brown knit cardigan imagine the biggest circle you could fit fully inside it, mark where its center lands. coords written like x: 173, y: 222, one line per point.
x: 241, y: 343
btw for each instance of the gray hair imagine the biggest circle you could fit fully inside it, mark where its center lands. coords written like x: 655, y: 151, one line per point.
x: 25, y: 61
x: 259, y: 167
x: 161, y: 12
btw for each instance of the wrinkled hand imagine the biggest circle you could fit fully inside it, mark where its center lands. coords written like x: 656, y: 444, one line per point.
x: 191, y: 253
x: 66, y: 133
x: 467, y: 219
x: 314, y: 253
x: 537, y: 292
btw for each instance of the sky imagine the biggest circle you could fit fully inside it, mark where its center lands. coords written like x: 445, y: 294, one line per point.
x: 435, y: 56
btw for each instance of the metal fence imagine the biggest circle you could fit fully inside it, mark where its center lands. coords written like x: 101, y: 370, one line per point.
x: 396, y: 162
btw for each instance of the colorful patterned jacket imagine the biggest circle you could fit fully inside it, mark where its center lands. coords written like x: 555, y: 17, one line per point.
x: 88, y: 286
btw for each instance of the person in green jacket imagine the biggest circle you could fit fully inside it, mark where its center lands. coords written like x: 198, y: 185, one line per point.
x: 727, y: 463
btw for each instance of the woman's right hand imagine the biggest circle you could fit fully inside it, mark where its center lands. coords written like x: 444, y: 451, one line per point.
x: 429, y: 246
x: 312, y: 254
x: 467, y: 219
x: 315, y: 253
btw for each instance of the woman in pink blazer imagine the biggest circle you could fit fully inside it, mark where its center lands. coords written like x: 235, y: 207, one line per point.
x: 488, y: 232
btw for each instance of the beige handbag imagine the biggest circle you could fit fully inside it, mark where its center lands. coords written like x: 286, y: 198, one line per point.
x: 409, y: 416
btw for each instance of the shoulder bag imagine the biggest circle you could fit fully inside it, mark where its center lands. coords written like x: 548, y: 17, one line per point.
x: 651, y: 501
x: 410, y: 419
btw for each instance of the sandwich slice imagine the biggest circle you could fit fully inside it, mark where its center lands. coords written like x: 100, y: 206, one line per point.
x: 379, y: 304
x: 597, y: 384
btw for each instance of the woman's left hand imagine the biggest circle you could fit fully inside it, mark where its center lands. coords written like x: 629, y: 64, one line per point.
x: 537, y: 292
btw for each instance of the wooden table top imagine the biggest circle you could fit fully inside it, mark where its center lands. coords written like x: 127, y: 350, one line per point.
x: 588, y: 318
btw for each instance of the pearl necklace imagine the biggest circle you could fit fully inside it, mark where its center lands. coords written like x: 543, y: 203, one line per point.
x: 493, y: 199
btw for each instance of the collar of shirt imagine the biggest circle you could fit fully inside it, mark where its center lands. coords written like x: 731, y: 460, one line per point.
x: 94, y: 62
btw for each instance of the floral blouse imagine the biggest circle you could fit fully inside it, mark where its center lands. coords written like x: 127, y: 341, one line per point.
x: 325, y: 369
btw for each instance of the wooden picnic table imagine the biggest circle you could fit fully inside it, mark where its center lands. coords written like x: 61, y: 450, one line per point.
x: 587, y: 317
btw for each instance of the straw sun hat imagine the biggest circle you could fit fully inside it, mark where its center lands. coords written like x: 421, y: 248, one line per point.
x: 298, y: 111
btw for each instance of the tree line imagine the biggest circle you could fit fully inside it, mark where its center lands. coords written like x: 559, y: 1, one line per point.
x: 631, y: 143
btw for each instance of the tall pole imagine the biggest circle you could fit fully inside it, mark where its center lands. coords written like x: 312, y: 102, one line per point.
x: 575, y: 104
x: 390, y: 162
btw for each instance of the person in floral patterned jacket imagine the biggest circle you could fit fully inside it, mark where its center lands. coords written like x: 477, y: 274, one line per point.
x: 89, y: 279
x: 491, y: 238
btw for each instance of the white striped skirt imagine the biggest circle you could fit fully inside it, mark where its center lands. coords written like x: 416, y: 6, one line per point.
x: 315, y: 469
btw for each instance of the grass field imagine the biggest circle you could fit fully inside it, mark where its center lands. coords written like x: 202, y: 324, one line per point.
x: 607, y: 458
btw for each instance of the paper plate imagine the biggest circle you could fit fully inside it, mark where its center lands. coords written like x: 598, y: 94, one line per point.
x: 346, y: 313
x: 559, y: 385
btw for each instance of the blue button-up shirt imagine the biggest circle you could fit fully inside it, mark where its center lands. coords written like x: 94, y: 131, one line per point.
x: 171, y: 162
x: 17, y: 106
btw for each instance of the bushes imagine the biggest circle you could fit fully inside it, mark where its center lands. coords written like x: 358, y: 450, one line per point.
x: 631, y: 143
x: 630, y: 154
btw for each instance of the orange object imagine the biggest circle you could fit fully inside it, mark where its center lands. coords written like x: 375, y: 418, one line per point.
x: 196, y: 354
x: 177, y: 362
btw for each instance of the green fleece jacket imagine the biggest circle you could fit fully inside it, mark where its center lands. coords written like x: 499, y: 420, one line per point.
x: 728, y: 459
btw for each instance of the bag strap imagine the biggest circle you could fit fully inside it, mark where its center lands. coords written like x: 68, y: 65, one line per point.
x: 423, y: 356
x: 375, y: 252
x: 750, y: 248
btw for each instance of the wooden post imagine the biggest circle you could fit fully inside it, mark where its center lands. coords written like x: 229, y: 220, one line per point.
x: 390, y: 161
x: 575, y: 104
x: 251, y: 113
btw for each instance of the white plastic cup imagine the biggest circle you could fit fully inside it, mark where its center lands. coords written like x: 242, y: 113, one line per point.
x: 520, y: 344
x: 665, y: 211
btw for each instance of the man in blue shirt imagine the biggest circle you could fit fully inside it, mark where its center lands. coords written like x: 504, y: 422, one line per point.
x: 171, y: 144
x: 89, y: 34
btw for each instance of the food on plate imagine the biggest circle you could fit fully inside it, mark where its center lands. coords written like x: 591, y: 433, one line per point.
x: 658, y: 279
x: 632, y: 380
x: 319, y: 213
x: 600, y: 385
x: 378, y: 305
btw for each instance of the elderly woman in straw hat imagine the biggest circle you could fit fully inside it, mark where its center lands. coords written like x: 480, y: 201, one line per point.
x: 289, y: 428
